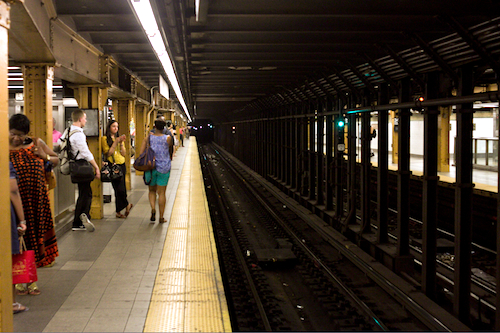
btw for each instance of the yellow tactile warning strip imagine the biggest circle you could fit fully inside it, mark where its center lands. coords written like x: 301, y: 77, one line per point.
x: 188, y: 294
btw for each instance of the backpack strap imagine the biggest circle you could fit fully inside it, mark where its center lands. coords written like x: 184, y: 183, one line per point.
x: 68, y: 143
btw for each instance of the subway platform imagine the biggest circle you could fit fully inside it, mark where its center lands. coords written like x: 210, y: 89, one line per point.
x: 131, y: 275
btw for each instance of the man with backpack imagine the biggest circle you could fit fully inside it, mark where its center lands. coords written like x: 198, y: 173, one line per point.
x: 76, y: 141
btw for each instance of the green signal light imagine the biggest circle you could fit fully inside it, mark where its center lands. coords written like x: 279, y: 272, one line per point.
x: 340, y: 123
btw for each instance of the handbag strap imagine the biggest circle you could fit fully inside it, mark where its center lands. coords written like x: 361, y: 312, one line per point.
x: 22, y: 244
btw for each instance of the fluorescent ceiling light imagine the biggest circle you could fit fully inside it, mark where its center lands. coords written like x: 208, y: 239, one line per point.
x: 22, y: 87
x: 147, y: 19
x: 197, y: 9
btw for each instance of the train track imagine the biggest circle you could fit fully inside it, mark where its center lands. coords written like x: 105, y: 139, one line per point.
x: 483, y: 288
x: 281, y: 274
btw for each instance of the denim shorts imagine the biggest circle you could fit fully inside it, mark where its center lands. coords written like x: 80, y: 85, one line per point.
x: 157, y: 178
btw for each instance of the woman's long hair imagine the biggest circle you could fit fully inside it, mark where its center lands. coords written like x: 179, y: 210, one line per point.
x: 109, y: 140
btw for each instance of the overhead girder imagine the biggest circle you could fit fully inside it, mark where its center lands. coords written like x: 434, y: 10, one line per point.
x: 38, y: 36
x: 431, y: 52
x: 382, y: 73
x: 362, y: 78
x: 473, y: 42
x: 311, y: 88
x: 411, y: 73
x: 349, y: 85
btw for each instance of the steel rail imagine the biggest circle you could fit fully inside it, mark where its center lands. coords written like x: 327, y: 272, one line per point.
x: 377, y: 321
x: 239, y: 255
x: 429, y: 320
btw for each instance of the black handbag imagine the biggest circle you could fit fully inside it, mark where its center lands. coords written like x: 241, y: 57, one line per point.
x: 111, y: 171
x: 81, y: 171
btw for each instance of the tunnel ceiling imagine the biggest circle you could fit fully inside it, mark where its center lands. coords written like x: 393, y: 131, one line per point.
x: 240, y: 51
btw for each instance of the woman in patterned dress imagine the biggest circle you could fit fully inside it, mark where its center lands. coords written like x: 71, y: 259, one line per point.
x: 30, y: 157
x: 157, y: 179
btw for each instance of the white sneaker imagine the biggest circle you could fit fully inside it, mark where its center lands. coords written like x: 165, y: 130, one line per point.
x: 86, y: 222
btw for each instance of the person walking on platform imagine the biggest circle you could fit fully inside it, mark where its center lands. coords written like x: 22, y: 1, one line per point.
x: 31, y: 157
x: 113, y: 148
x: 80, y: 148
x: 157, y: 179
x: 181, y: 136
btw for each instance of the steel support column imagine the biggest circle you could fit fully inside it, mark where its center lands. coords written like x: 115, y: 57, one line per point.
x: 274, y: 155
x: 294, y: 150
x: 312, y: 157
x: 429, y: 194
x: 266, y: 127
x: 302, y: 149
x: 289, y: 138
x: 330, y: 167
x: 339, y: 163
x: 38, y: 80
x: 94, y: 98
x: 281, y: 144
x: 365, y: 171
x: 125, y: 109
x: 463, y: 200
x: 403, y: 246
x: 351, y: 138
x: 383, y: 167
x: 320, y: 167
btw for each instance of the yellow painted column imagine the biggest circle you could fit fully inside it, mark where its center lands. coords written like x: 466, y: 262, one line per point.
x: 444, y: 139
x: 94, y: 98
x: 140, y: 130
x: 38, y: 80
x: 395, y: 124
x: 6, y: 317
x: 124, y: 113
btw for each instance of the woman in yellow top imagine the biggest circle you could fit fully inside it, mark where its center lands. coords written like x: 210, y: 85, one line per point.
x: 114, y: 151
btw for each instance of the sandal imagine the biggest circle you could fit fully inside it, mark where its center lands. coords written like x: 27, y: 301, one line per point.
x: 127, y: 210
x: 21, y: 290
x: 50, y: 264
x: 153, y: 215
x: 120, y: 216
x: 18, y: 307
x: 162, y: 220
x: 33, y: 289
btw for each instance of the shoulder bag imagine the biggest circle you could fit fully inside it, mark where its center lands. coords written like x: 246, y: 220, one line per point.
x: 111, y: 171
x: 81, y: 171
x: 146, y: 161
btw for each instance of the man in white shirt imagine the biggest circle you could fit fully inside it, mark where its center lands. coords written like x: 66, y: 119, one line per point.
x: 80, y: 150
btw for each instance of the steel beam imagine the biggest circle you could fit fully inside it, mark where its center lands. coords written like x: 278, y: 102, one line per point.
x: 429, y: 50
x: 474, y: 43
x: 463, y: 200
x: 383, y: 167
x: 293, y: 150
x: 365, y: 172
x: 339, y: 163
x: 411, y: 73
x: 393, y: 85
x: 363, y: 78
x: 320, y: 124
x: 429, y: 191
x: 403, y: 246
x: 312, y: 156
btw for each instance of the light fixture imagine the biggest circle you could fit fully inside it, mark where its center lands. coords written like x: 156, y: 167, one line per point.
x: 145, y: 15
